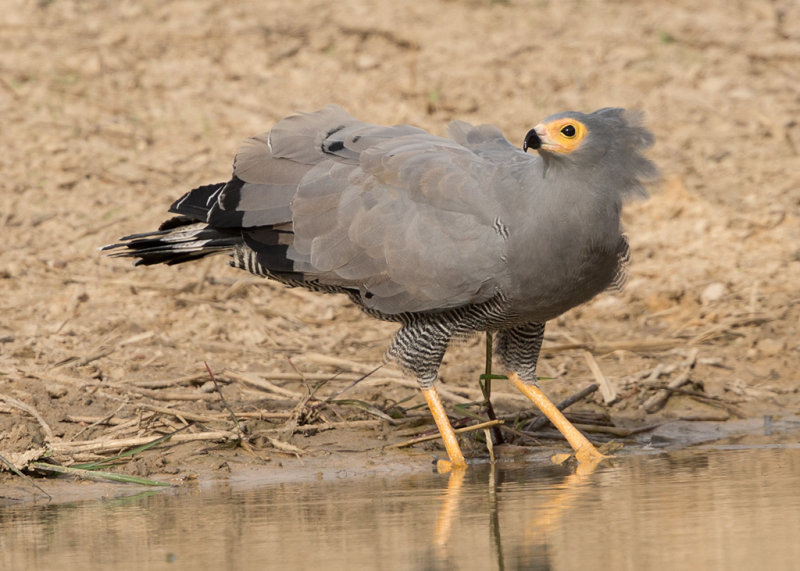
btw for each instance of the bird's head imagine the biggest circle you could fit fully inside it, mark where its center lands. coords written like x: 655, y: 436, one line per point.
x: 609, y: 141
x: 557, y: 134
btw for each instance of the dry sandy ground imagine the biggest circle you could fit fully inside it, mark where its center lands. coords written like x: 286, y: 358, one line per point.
x: 112, y: 110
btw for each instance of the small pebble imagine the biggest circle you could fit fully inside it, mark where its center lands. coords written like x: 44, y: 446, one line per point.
x: 713, y: 292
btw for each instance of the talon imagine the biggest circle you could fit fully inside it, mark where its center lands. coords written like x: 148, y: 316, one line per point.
x: 589, y: 455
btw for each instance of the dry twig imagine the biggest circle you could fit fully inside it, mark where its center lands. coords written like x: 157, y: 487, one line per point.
x: 656, y: 401
x: 285, y: 446
x: 160, y: 384
x: 182, y: 415
x: 224, y: 402
x: 264, y: 385
x: 33, y: 412
x: 606, y: 388
x: 419, y: 439
x: 173, y: 395
x: 103, y: 420
x: 732, y: 322
x: 100, y: 445
x: 633, y: 345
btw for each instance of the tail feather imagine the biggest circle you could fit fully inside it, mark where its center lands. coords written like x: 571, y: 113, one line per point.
x: 176, y: 244
x: 197, y: 202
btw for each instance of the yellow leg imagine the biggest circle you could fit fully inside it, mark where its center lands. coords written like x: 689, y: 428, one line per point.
x: 446, y: 431
x: 584, y: 450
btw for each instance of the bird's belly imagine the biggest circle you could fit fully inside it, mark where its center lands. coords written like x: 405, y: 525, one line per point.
x: 547, y: 295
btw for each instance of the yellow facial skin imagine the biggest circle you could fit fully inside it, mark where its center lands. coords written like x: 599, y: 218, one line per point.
x: 562, y: 135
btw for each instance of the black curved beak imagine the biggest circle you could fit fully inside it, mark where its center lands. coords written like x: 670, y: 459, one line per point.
x: 532, y: 141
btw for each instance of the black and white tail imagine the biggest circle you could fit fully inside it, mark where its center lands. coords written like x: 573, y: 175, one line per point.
x: 178, y: 240
x: 182, y: 238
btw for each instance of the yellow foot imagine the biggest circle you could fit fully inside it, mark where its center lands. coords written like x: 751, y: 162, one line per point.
x: 585, y: 452
x: 589, y: 455
x: 587, y: 463
x: 583, y: 456
x: 447, y: 467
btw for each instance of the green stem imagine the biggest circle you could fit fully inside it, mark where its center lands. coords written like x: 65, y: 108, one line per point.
x: 486, y: 388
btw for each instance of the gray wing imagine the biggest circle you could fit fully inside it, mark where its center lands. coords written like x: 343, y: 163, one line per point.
x: 408, y: 219
x: 268, y: 168
x: 413, y: 225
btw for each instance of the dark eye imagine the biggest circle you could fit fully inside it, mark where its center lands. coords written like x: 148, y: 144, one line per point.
x: 568, y: 131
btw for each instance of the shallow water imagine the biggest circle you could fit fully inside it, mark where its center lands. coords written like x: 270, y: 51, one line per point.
x: 717, y: 507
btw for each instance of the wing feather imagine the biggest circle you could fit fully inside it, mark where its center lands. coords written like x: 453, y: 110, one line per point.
x: 412, y: 227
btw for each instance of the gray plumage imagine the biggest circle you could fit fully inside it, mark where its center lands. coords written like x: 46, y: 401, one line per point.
x: 445, y: 235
